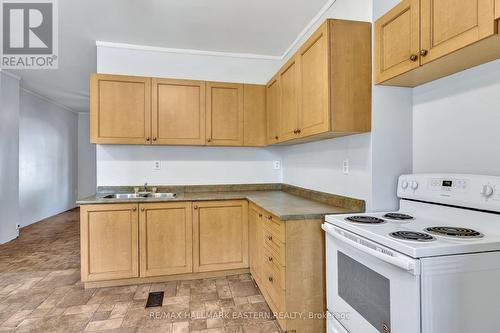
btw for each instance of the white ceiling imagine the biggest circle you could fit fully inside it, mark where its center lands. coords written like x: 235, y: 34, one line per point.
x: 265, y: 27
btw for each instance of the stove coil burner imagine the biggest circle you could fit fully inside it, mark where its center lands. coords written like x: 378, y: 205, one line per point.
x: 365, y: 219
x: 455, y: 232
x: 398, y: 216
x: 412, y: 236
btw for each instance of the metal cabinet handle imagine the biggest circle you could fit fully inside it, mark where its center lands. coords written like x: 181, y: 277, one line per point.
x: 423, y: 52
x: 260, y: 215
x: 270, y: 238
x: 154, y: 139
x: 271, y: 279
x: 142, y: 209
x: 195, y: 207
x: 414, y: 57
x: 294, y: 131
x: 270, y: 258
x: 134, y: 209
x: 270, y: 217
x: 209, y: 140
x: 276, y: 137
x: 299, y: 131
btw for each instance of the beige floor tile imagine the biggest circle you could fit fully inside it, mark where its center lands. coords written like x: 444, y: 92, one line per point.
x: 104, y: 325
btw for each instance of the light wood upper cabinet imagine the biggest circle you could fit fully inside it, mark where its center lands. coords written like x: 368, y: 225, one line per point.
x: 273, y: 110
x: 441, y: 36
x: 178, y: 116
x: 224, y: 120
x: 254, y: 106
x: 397, y: 40
x: 256, y: 241
x: 220, y: 235
x: 449, y: 25
x: 120, y: 109
x: 325, y: 88
x: 288, y: 97
x: 166, y: 238
x: 314, y: 113
x: 109, y: 242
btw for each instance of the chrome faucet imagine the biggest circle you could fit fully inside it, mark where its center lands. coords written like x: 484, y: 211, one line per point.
x: 145, y: 186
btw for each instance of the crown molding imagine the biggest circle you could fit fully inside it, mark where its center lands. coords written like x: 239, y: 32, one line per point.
x: 186, y: 51
x: 297, y: 40
x: 48, y: 100
x: 9, y: 74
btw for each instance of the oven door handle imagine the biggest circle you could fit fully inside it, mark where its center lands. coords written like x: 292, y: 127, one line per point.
x: 404, y: 263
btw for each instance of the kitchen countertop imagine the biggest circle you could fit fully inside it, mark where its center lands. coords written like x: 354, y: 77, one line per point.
x: 283, y: 205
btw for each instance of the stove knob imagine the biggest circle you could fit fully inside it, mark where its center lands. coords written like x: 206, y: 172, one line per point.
x: 487, y: 191
x: 404, y: 184
x: 414, y: 185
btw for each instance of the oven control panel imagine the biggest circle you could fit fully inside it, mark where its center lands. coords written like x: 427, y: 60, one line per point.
x: 472, y: 191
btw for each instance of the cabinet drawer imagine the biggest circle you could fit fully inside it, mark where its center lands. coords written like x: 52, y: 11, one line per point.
x: 275, y: 225
x: 274, y: 285
x: 270, y: 259
x: 271, y: 243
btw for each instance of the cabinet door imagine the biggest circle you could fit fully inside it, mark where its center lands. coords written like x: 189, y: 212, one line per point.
x: 273, y: 110
x: 178, y: 112
x: 397, y: 41
x: 497, y: 9
x: 449, y: 25
x: 109, y: 242
x: 224, y: 114
x: 256, y: 243
x: 254, y: 109
x: 220, y: 235
x: 166, y: 238
x: 289, y: 111
x: 314, y: 110
x: 120, y: 109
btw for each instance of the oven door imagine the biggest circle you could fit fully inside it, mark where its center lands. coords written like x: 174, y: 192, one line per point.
x: 371, y: 288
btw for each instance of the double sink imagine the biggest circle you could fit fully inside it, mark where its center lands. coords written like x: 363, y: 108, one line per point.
x: 140, y: 195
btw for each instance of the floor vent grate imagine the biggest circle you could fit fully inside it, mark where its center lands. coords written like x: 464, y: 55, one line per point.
x: 155, y: 299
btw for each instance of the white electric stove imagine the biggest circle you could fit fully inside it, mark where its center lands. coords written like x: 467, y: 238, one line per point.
x: 431, y: 267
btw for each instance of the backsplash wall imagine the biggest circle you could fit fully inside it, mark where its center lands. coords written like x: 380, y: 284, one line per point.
x: 133, y: 165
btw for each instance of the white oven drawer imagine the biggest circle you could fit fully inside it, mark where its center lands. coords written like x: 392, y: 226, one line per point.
x: 375, y: 289
x: 333, y: 326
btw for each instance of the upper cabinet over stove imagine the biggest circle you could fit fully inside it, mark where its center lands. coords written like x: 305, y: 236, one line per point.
x: 419, y: 41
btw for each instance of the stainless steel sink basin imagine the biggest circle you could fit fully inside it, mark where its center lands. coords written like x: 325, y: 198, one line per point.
x: 140, y: 195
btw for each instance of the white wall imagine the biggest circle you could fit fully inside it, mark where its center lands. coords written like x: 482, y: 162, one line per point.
x: 9, y: 157
x: 87, y: 171
x: 457, y: 123
x: 133, y: 165
x: 47, y: 158
x: 184, y: 66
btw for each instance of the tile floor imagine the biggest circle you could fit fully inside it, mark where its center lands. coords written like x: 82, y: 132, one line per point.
x: 40, y: 291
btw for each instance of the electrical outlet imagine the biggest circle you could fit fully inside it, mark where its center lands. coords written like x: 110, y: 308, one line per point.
x: 345, y: 167
x: 18, y: 226
x: 156, y: 165
x: 277, y: 165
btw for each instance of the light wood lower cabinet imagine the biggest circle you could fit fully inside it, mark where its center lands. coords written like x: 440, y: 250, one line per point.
x: 166, y: 238
x: 293, y: 269
x: 109, y: 242
x: 256, y: 241
x: 220, y: 237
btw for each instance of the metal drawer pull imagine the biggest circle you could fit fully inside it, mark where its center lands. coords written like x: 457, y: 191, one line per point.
x: 142, y: 209
x: 134, y: 209
x: 270, y: 258
x: 271, y: 279
x: 270, y: 238
x: 414, y: 57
